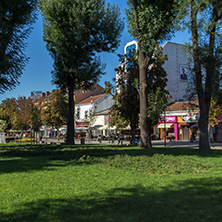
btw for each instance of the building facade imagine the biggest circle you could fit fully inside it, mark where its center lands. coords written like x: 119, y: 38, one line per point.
x: 94, y: 111
x: 177, y: 67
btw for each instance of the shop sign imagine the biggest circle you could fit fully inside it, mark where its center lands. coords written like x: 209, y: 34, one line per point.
x: 169, y: 119
x: 191, y: 117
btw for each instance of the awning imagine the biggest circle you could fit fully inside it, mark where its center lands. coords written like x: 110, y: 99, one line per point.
x: 167, y: 125
x: 103, y: 128
x: 106, y: 128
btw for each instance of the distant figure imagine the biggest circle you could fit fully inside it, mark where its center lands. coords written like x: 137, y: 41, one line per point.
x: 113, y: 138
x: 118, y: 139
x: 131, y: 141
x: 79, y: 136
x: 183, y: 76
x: 121, y: 138
x: 100, y: 138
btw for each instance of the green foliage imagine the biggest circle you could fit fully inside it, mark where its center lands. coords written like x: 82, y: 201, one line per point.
x: 4, y: 118
x: 150, y: 22
x: 17, y: 112
x: 156, y: 21
x: 151, y: 165
x: 157, y: 103
x: 73, y: 183
x: 74, y: 31
x: 3, y: 125
x: 36, y: 118
x: 205, y: 26
x: 215, y: 110
x: 16, y: 19
x: 56, y: 109
x: 156, y: 81
x: 125, y: 111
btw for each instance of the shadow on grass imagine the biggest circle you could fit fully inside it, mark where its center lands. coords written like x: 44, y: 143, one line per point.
x: 26, y: 165
x: 187, y: 201
x: 24, y: 158
x: 66, y: 152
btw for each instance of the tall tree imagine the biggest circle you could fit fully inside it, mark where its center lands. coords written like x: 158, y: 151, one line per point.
x: 157, y: 81
x: 16, y: 18
x: 150, y: 22
x: 22, y: 115
x: 8, y: 108
x: 17, y: 112
x: 74, y: 32
x: 207, y: 55
x: 125, y: 111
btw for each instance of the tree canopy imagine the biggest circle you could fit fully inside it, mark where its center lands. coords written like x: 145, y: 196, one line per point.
x: 55, y: 110
x: 125, y: 111
x: 17, y: 112
x: 74, y: 32
x: 16, y: 18
x: 207, y: 58
x: 150, y: 22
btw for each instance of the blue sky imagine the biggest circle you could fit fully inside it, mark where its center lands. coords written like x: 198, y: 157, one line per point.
x: 37, y: 74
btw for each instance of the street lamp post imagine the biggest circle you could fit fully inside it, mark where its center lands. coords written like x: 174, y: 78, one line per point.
x: 165, y: 127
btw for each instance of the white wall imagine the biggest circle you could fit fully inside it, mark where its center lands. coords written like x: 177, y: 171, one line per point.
x: 177, y: 59
x: 103, y: 104
x: 83, y: 108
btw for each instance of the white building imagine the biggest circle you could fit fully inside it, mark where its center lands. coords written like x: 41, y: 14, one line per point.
x: 92, y: 114
x: 178, y: 71
x: 177, y: 68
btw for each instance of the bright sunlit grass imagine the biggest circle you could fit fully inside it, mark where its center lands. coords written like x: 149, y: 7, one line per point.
x: 109, y: 183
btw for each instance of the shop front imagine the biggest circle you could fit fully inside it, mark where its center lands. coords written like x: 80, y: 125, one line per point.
x: 184, y: 128
x: 168, y: 127
x: 188, y: 126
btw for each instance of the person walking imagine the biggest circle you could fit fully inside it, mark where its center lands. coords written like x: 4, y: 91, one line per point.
x: 121, y: 138
x: 118, y: 139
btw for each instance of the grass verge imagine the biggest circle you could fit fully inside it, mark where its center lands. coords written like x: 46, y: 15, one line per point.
x: 109, y: 183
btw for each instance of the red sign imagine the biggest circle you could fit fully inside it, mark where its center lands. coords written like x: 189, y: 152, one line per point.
x: 107, y: 119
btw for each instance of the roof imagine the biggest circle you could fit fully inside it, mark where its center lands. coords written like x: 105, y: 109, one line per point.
x: 42, y: 98
x: 187, y: 105
x: 91, y: 99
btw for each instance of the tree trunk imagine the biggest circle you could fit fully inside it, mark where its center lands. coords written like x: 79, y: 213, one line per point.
x: 204, y: 143
x: 203, y: 120
x: 204, y: 93
x: 70, y: 119
x: 145, y: 140
x: 57, y: 133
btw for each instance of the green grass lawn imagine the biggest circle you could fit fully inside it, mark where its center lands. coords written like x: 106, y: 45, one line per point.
x: 109, y: 183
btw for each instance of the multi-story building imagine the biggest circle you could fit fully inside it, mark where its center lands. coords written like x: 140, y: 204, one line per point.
x: 178, y: 72
x: 92, y: 114
x: 177, y: 68
x: 79, y: 96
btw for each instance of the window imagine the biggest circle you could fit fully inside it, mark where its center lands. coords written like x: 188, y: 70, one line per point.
x: 78, y: 113
x: 86, y: 114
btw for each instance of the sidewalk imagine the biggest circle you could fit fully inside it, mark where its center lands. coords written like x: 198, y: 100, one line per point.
x: 184, y: 144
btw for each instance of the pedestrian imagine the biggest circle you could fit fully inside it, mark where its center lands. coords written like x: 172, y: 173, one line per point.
x: 79, y: 136
x: 118, y: 139
x: 99, y: 138
x: 121, y: 138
